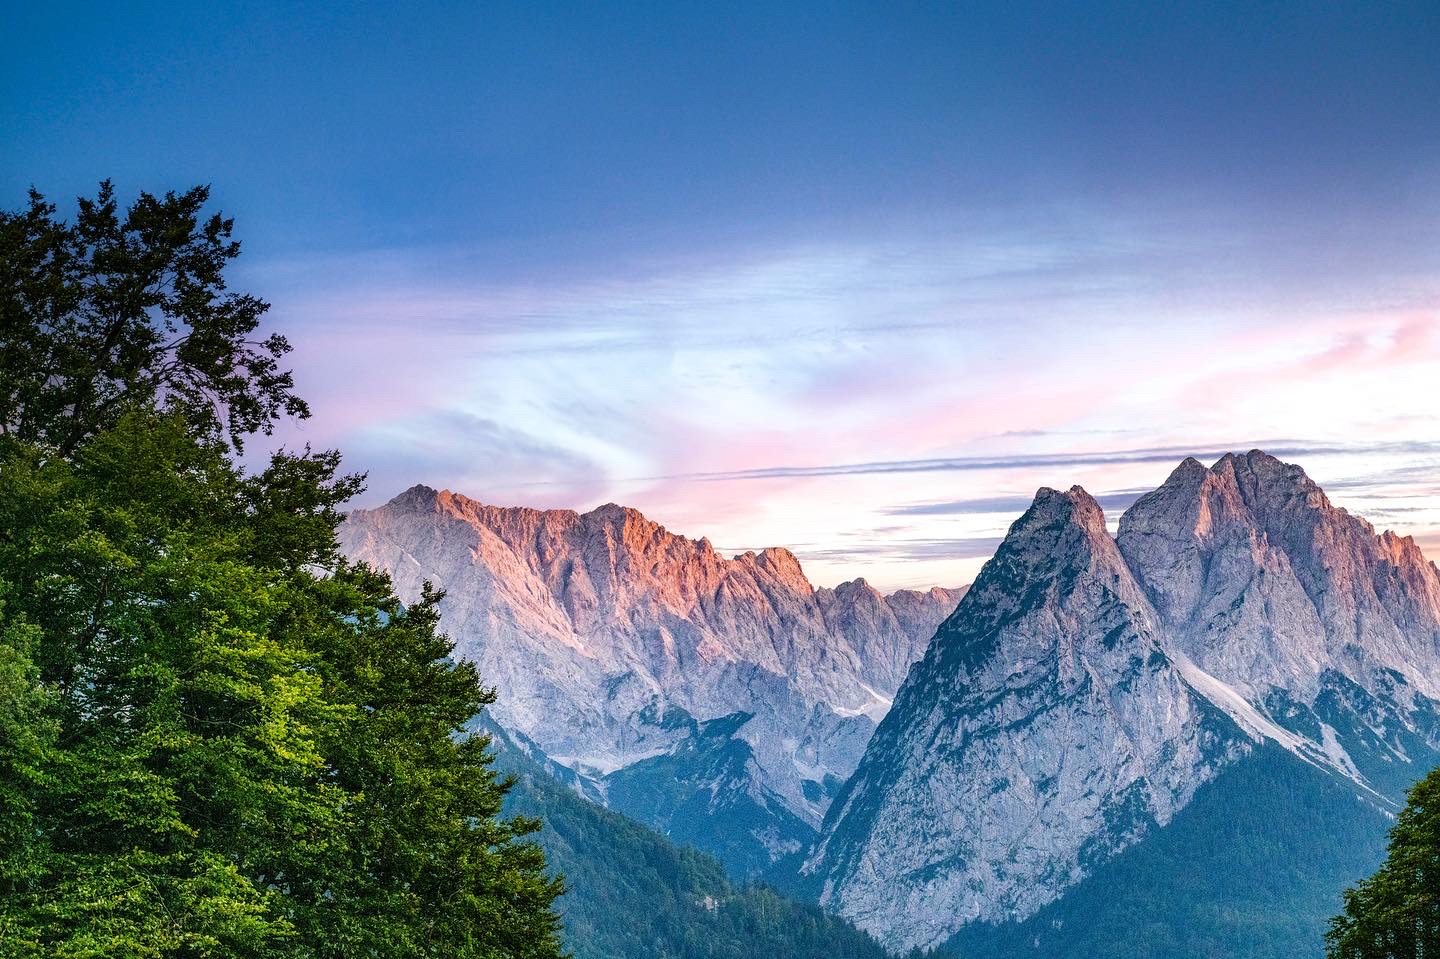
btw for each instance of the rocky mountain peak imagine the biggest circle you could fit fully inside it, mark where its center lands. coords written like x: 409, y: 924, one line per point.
x: 620, y: 518
x: 1268, y: 585
x: 1258, y: 470
x: 1087, y: 686
x: 857, y: 590
x: 1059, y: 532
x: 419, y: 496
x: 1044, y: 704
x: 1074, y: 505
x: 1056, y: 567
x: 1054, y: 516
x: 784, y: 567
x: 1401, y: 550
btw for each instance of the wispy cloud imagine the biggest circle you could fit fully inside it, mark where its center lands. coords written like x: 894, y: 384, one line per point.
x: 1159, y: 454
x: 469, y: 453
x: 959, y: 547
x: 1005, y: 505
x: 890, y: 404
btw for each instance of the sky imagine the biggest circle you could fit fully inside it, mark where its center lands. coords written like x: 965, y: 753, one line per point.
x: 851, y: 278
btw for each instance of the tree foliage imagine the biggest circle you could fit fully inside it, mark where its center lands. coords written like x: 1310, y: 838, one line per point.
x: 113, y: 311
x: 1395, y: 914
x: 217, y: 738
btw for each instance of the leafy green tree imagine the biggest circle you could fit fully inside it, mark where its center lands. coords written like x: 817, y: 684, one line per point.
x: 1395, y: 914
x: 217, y: 738
x: 113, y: 311
x: 26, y: 744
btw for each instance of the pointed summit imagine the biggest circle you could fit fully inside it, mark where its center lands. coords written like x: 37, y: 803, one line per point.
x: 1163, y: 534
x: 1055, y: 517
x: 1267, y: 585
x: 1075, y: 505
x: 781, y: 560
x: 1086, y: 687
x: 418, y: 496
x: 1044, y: 704
x: 614, y: 513
x: 1267, y: 483
x: 888, y: 633
x: 1059, y: 531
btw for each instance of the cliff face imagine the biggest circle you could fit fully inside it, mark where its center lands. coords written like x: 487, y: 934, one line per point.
x: 1268, y: 586
x: 1087, y: 687
x: 613, y: 641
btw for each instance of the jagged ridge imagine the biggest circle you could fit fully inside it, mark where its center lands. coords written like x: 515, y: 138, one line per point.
x: 1087, y: 686
x: 610, y: 639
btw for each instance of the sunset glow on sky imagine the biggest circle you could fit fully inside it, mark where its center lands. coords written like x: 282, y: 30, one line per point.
x: 855, y: 283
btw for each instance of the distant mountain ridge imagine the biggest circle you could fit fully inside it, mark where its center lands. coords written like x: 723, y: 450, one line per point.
x: 1088, y: 687
x: 720, y: 699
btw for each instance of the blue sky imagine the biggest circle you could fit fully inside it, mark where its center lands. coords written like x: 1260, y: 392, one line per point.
x: 706, y: 258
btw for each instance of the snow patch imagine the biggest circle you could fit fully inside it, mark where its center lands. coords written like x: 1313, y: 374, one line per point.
x: 1234, y: 705
x: 604, y: 764
x: 876, y: 708
x: 1330, y: 742
x: 1329, y: 754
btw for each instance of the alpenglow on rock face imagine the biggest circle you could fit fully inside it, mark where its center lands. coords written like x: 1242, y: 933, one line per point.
x: 723, y: 700
x: 1088, y: 686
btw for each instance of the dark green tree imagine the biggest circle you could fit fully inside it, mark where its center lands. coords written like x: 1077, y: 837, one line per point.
x: 111, y: 311
x: 1395, y: 914
x: 217, y: 738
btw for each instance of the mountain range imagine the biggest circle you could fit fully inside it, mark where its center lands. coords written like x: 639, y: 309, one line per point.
x: 720, y: 700
x: 1198, y: 727
x: 1090, y: 688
